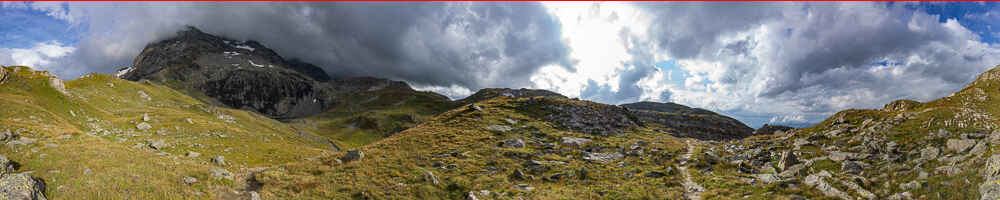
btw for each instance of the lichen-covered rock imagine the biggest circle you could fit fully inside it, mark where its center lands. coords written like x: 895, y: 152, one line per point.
x: 990, y: 188
x: 929, y: 153
x: 21, y: 186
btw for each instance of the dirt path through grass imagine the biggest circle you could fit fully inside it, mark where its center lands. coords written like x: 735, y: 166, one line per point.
x: 692, y: 189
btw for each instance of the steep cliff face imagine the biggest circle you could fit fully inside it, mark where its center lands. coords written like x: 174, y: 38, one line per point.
x: 683, y: 121
x: 242, y: 74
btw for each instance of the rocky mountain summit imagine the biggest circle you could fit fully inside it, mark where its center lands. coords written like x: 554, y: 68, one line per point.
x: 683, y: 121
x: 242, y: 74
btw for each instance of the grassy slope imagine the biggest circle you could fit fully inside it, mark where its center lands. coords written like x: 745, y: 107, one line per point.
x: 370, y: 116
x: 117, y: 169
x: 394, y: 168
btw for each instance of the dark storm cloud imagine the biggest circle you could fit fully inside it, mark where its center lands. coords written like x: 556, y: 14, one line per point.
x: 470, y: 45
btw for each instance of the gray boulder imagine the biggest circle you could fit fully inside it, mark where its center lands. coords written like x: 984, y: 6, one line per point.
x: 6, y: 166
x: 143, y: 126
x: 960, y: 145
x: 353, y: 155
x: 603, y: 157
x: 189, y: 180
x: 219, y: 160
x: 929, y: 153
x: 575, y: 142
x: 499, y: 128
x: 787, y: 159
x: 157, y: 144
x: 513, y: 143
x: 817, y: 181
x: 221, y: 174
x: 21, y: 186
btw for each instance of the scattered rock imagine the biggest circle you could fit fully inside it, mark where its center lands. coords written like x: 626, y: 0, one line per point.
x: 353, y: 155
x: 143, y: 95
x: 990, y: 188
x: 960, y: 145
x: 817, y: 181
x: 851, y: 167
x: 472, y: 195
x: 143, y: 126
x: 654, y: 174
x: 145, y: 117
x: 158, y: 144
x: 510, y: 121
x: 792, y: 171
x: 787, y: 159
x: 638, y: 144
x: 476, y: 107
x: 192, y: 154
x: 6, y: 166
x: 901, y: 196
x: 575, y: 142
x: 21, y: 186
x: 912, y: 185
x: 219, y: 160
x: 7, y: 135
x: 221, y: 174
x: 188, y: 120
x: 519, y: 175
x: 513, y: 143
x: 524, y: 187
x: 929, y: 153
x: 64, y: 137
x: 189, y: 180
x: 500, y: 128
x: 603, y: 157
x: 979, y: 149
x: 254, y: 195
x: 767, y: 178
x: 429, y: 177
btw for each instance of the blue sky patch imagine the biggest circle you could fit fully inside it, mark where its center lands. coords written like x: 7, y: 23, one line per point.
x: 23, y: 28
x: 980, y: 17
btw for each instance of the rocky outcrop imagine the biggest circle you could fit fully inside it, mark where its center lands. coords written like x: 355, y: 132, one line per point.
x: 489, y: 93
x: 590, y: 118
x: 771, y: 129
x: 690, y: 122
